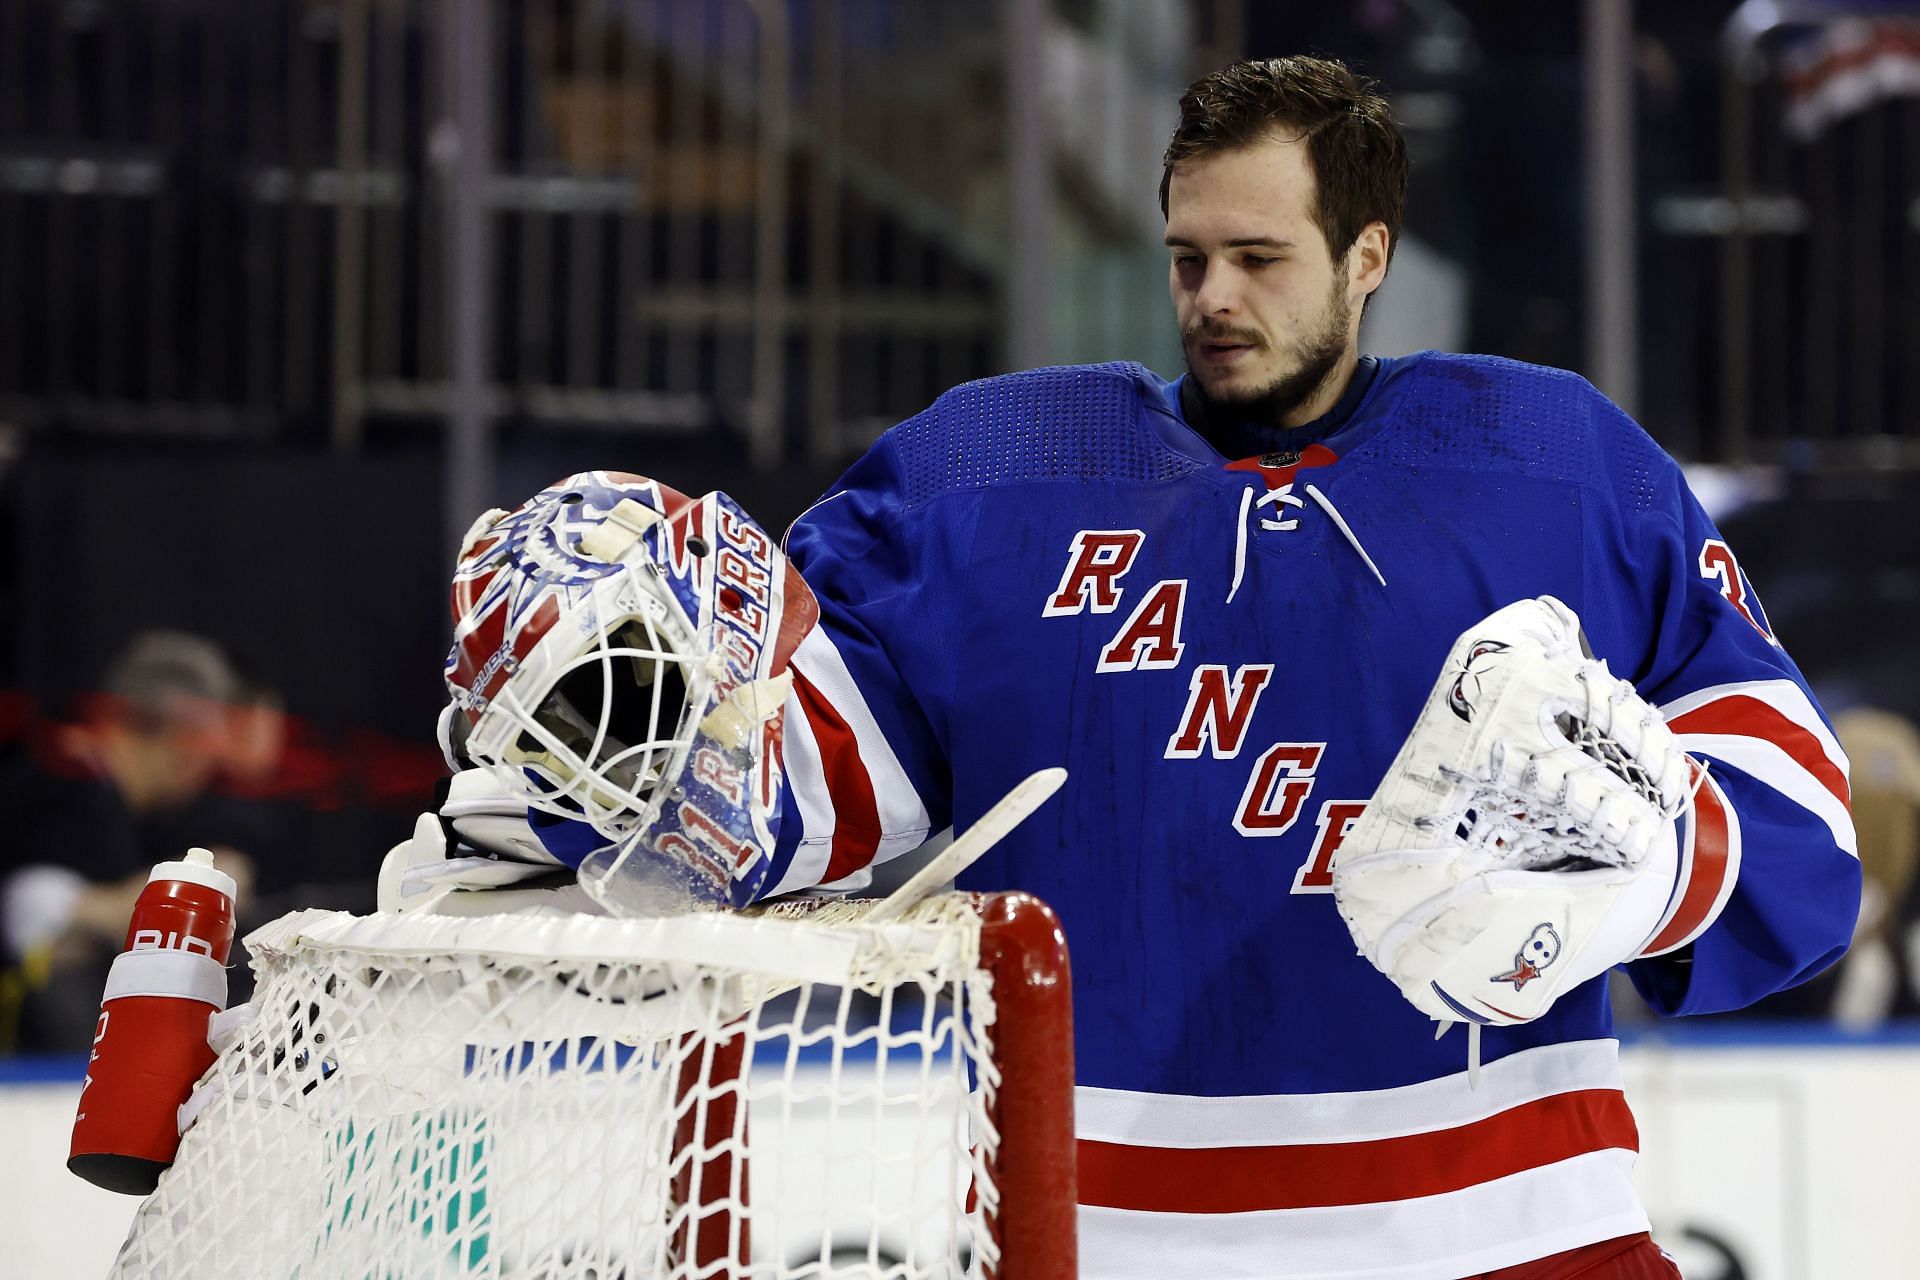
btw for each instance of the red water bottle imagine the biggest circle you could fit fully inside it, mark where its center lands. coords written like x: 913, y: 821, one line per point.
x: 150, y: 1044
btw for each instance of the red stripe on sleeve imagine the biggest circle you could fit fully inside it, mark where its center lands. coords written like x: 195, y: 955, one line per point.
x: 856, y: 817
x: 1321, y: 1174
x: 1741, y: 716
x: 1709, y: 871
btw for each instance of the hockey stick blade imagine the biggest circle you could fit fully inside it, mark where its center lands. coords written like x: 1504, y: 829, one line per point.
x: 966, y: 849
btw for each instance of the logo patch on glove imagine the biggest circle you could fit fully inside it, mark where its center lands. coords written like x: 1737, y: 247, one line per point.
x: 1541, y: 949
x: 1468, y: 681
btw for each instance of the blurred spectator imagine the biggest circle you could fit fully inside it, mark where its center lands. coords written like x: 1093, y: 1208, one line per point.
x: 1877, y: 978
x: 231, y: 810
x: 90, y: 808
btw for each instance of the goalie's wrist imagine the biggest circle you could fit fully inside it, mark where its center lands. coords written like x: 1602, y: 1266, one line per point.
x: 1648, y: 902
x: 1633, y: 918
x: 1707, y: 857
x: 1663, y: 864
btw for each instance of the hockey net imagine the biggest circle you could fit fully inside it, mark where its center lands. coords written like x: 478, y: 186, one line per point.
x: 802, y: 1093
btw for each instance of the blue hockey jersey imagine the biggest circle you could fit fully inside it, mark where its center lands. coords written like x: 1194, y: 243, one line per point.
x: 1054, y: 568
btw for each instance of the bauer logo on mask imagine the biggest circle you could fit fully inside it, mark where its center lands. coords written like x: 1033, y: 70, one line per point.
x: 620, y: 654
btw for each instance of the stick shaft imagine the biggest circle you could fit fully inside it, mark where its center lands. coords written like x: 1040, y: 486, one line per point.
x: 1011, y: 810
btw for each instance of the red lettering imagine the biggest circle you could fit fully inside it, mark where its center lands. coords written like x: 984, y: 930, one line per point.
x: 1150, y: 640
x: 741, y: 653
x: 743, y: 533
x: 710, y: 767
x: 742, y: 573
x: 703, y: 828
x: 1716, y: 561
x: 1336, y: 819
x: 675, y: 845
x: 1282, y: 778
x: 1213, y: 713
x: 1096, y: 562
x: 749, y: 615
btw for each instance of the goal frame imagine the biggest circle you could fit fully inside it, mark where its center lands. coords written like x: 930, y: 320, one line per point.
x: 368, y: 1083
x: 1024, y: 950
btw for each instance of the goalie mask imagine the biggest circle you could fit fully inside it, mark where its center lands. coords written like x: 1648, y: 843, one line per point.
x: 620, y: 655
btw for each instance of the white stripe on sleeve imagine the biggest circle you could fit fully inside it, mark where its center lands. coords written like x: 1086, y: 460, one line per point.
x: 898, y: 804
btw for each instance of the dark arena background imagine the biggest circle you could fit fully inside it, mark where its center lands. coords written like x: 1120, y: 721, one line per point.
x: 292, y: 290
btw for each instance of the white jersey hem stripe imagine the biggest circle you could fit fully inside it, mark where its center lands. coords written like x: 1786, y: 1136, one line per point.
x: 1446, y: 1102
x: 1528, y: 1215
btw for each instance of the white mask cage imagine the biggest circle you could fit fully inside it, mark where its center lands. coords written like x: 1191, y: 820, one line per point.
x: 608, y: 723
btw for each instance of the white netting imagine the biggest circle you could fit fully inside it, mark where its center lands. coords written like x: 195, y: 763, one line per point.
x: 559, y: 1097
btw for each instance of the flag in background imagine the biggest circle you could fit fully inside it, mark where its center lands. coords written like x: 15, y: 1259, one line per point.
x: 1842, y: 67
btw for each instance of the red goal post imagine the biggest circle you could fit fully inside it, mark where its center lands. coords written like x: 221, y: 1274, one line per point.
x: 795, y: 1092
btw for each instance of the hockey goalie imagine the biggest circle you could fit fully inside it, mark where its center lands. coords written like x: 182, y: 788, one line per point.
x: 1538, y: 823
x: 1393, y: 692
x: 656, y: 718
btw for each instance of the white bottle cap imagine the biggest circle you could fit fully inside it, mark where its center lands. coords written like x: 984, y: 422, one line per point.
x: 196, y: 868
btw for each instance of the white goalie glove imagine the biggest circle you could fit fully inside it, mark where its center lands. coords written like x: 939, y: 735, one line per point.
x: 1523, y: 840
x: 477, y: 841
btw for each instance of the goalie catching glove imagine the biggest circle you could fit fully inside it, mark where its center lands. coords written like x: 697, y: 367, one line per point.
x: 1523, y: 840
x: 478, y: 839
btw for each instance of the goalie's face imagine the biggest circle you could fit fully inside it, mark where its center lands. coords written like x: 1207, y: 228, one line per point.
x: 1269, y: 316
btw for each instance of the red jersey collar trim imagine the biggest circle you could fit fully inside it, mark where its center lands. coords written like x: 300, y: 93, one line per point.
x: 1278, y: 469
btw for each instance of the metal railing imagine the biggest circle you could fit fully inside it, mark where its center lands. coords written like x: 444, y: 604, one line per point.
x: 274, y: 219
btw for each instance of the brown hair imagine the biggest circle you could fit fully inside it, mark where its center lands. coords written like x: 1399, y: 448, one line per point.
x: 1358, y: 157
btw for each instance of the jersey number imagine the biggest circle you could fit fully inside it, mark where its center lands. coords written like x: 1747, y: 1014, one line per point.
x: 1717, y: 562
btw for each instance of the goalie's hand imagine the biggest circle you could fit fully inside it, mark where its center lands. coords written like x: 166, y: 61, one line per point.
x: 483, y: 814
x: 477, y: 838
x: 1523, y: 840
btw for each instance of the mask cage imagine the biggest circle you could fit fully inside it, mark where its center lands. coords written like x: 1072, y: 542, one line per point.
x: 609, y: 727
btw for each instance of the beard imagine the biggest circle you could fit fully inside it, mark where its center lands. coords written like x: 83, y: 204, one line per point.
x: 1315, y: 355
